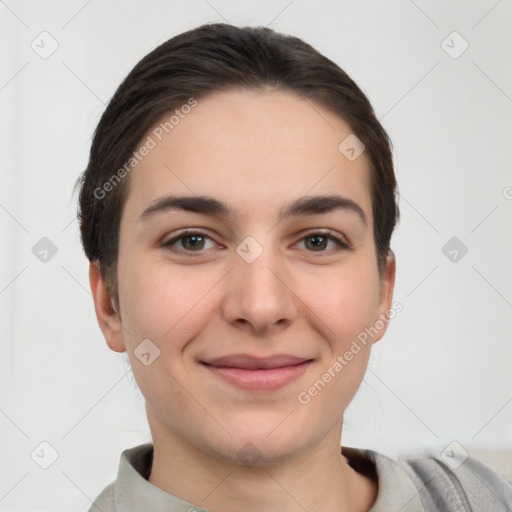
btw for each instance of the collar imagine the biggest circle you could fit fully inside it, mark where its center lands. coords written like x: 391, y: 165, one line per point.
x: 132, y: 491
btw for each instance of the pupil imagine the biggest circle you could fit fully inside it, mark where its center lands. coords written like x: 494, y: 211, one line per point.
x: 318, y: 241
x: 194, y: 241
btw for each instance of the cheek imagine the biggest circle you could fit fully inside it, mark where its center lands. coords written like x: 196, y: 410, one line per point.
x: 170, y: 307
x: 345, y: 302
x: 345, y: 305
x: 163, y: 302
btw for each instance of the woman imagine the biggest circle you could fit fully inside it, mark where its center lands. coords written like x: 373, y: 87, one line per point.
x: 237, y: 212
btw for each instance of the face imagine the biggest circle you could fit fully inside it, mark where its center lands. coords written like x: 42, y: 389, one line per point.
x: 254, y: 293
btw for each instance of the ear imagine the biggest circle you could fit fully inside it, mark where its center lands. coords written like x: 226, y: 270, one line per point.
x: 108, y: 318
x: 387, y: 285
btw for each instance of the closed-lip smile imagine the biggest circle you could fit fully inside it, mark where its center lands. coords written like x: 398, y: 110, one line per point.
x: 258, y: 373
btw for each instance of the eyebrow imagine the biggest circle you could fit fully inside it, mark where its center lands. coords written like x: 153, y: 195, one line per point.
x: 307, y: 205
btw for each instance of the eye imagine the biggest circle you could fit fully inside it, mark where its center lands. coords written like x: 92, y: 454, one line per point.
x: 190, y: 241
x: 319, y: 242
x: 198, y: 242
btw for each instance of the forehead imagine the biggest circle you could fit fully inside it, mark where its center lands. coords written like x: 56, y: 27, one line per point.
x: 249, y: 146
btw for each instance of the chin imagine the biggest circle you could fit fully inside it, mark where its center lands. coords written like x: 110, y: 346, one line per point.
x: 259, y: 453
x: 262, y: 446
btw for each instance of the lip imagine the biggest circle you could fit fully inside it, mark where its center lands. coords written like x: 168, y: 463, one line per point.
x: 257, y: 373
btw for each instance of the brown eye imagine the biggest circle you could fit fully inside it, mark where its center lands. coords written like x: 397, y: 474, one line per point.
x: 323, y: 242
x: 190, y: 242
x: 316, y: 242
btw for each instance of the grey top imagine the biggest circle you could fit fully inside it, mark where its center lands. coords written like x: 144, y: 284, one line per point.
x: 420, y: 484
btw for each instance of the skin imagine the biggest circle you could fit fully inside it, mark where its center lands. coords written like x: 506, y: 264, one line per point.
x: 255, y: 151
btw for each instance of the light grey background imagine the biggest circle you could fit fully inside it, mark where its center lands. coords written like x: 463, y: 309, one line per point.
x: 443, y: 371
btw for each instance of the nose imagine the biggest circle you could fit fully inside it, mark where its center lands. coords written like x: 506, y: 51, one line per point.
x: 259, y: 295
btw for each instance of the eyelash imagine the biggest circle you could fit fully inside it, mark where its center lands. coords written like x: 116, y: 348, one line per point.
x: 340, y: 245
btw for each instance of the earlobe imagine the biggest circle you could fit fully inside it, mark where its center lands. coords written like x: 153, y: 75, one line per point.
x: 106, y: 314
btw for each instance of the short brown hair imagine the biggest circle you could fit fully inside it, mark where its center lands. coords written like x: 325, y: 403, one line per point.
x: 194, y: 64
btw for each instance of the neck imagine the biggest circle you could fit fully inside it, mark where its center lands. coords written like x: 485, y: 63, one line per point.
x: 319, y: 478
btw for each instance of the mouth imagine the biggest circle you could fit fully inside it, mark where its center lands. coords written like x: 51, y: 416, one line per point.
x: 258, y: 374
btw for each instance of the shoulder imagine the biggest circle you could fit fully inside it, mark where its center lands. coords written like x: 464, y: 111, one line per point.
x: 428, y: 481
x: 105, y: 500
x: 455, y: 481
